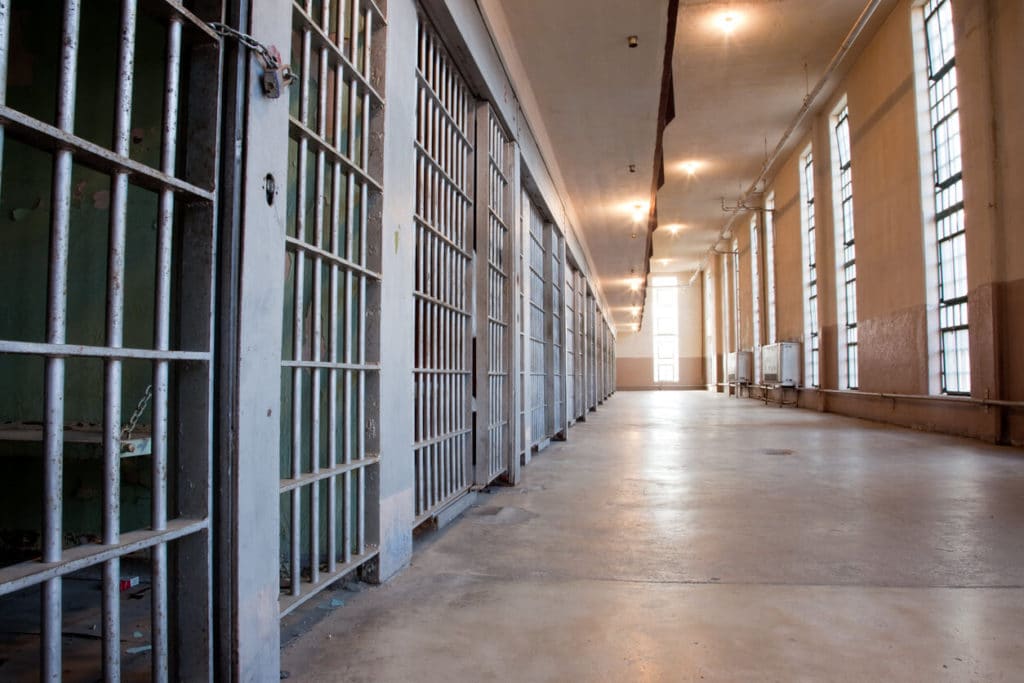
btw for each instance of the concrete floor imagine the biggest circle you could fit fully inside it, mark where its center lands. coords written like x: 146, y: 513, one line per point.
x: 688, y: 537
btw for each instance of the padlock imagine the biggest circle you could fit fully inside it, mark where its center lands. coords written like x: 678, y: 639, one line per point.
x: 271, y: 81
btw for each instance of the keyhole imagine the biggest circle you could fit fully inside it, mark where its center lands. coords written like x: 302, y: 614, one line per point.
x: 271, y: 188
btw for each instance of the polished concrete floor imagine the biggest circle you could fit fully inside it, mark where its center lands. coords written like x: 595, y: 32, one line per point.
x: 689, y: 537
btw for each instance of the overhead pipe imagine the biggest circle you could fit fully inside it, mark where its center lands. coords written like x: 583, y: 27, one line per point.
x: 844, y: 49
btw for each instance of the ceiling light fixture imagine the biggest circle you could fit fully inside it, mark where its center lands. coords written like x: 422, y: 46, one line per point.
x: 690, y: 167
x: 636, y: 327
x: 638, y: 212
x: 728, y: 21
x: 674, y: 229
x: 633, y: 41
x: 634, y: 284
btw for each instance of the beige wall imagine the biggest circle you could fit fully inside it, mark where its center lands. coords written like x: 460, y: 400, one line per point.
x: 893, y: 256
x: 634, y: 351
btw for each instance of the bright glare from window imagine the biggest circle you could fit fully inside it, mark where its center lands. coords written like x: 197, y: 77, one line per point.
x: 665, y: 314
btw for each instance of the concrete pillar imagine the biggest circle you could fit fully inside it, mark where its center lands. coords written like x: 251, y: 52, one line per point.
x: 397, y: 472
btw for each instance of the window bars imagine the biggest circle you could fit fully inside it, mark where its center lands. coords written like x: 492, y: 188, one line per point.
x: 444, y: 221
x: 944, y: 113
x: 330, y: 347
x: 847, y: 250
x: 123, y: 190
x: 812, y: 354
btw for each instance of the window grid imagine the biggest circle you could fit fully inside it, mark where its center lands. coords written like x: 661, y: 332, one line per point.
x: 735, y: 260
x: 755, y: 287
x: 849, y: 256
x: 769, y: 266
x: 812, y: 359
x: 665, y: 307
x: 944, y: 112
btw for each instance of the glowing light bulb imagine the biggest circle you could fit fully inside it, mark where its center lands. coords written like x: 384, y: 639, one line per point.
x: 728, y: 22
x: 638, y: 212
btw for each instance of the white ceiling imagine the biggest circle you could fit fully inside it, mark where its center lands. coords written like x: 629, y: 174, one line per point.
x: 735, y: 94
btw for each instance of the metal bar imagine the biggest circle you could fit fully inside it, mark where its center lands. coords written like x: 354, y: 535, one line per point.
x: 162, y: 311
x: 300, y: 130
x: 27, y: 574
x: 89, y: 154
x: 333, y: 259
x: 111, y: 601
x: 327, y: 365
x: 289, y: 604
x: 328, y: 473
x: 5, y: 39
x: 324, y: 42
x: 174, y: 10
x: 56, y: 330
x: 60, y: 351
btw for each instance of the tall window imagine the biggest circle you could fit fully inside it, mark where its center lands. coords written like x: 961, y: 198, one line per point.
x: 665, y: 307
x: 944, y: 114
x: 755, y: 289
x: 769, y: 266
x: 726, y: 308
x: 845, y: 250
x: 735, y: 260
x: 811, y: 348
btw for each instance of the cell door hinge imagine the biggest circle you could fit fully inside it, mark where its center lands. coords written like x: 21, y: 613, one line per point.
x: 276, y: 76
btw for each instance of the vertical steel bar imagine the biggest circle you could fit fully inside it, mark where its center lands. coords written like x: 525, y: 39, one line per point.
x: 56, y: 332
x: 295, y: 559
x: 5, y: 38
x: 336, y: 248
x: 315, y: 341
x: 111, y: 602
x: 165, y: 234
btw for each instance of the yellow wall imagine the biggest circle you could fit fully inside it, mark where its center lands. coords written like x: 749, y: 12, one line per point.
x: 893, y: 256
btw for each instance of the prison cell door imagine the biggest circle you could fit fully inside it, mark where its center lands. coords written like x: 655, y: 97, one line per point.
x: 331, y: 265
x: 594, y: 364
x: 555, y: 332
x: 107, y: 371
x: 579, y: 406
x: 539, y: 361
x: 446, y: 118
x: 523, y: 343
x: 570, y: 345
x: 495, y: 174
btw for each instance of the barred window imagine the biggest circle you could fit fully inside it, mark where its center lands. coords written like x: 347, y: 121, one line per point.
x: 811, y: 350
x: 944, y: 112
x: 847, y: 256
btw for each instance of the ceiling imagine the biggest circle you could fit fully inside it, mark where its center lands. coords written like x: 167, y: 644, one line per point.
x: 736, y: 91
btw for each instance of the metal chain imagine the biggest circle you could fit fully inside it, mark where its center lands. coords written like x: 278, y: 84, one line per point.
x: 268, y: 56
x: 147, y: 396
